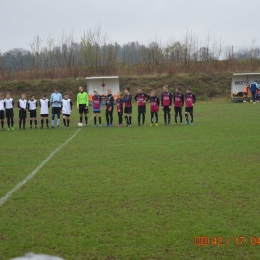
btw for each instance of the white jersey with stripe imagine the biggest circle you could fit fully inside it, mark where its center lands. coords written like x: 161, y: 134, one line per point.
x: 44, y: 104
x: 32, y: 104
x: 66, y: 106
x: 22, y: 104
x: 8, y: 103
x: 2, y: 105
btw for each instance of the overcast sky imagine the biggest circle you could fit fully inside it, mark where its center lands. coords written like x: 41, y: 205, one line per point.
x: 235, y: 22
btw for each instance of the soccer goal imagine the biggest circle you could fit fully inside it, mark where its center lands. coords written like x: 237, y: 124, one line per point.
x: 239, y: 82
x: 102, y: 84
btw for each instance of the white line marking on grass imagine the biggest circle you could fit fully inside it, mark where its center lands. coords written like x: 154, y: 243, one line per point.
x: 30, y: 176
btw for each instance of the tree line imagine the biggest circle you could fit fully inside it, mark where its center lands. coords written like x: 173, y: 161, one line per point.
x: 94, y: 55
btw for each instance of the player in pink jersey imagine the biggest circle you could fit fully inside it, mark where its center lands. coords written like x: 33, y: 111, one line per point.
x: 178, y: 100
x: 190, y: 100
x: 154, y: 108
x: 166, y: 102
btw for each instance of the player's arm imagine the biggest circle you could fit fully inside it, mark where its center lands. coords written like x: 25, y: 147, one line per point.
x: 13, y: 103
x: 49, y: 104
x: 194, y: 98
x: 60, y: 98
x: 135, y: 98
x: 86, y: 99
x: 100, y: 102
x: 71, y: 106
x: 162, y: 100
x: 182, y: 99
x: 28, y: 106
x: 158, y: 102
x: 51, y: 98
x: 78, y: 100
x: 18, y: 104
x: 36, y: 104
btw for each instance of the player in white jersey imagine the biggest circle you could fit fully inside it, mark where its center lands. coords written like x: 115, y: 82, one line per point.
x: 32, y: 106
x: 2, y: 111
x: 22, y: 105
x: 44, y: 104
x: 9, y: 111
x: 66, y: 110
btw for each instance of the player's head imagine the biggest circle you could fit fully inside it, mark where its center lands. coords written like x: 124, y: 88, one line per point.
x: 1, y: 95
x: 178, y: 89
x: 165, y: 88
x: 56, y: 90
x: 188, y: 90
x: 43, y: 96
x: 95, y: 91
x: 127, y: 90
x: 109, y: 91
x: 153, y: 93
x: 118, y: 93
x: 81, y: 89
x: 32, y: 97
x: 66, y: 96
x: 23, y: 95
x: 139, y: 90
x: 7, y: 94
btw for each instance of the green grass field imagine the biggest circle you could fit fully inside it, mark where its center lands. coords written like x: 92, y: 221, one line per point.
x: 136, y: 193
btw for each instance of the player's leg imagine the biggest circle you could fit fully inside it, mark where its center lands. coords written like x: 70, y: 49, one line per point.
x: 64, y: 121
x: 35, y: 120
x: 20, y: 121
x: 31, y: 120
x: 58, y: 117
x: 86, y: 116
x: 126, y: 117
x: 143, y: 117
x: 165, y: 115
x: 68, y: 121
x: 152, y: 115
x: 47, y: 120
x: 12, y: 119
x: 2, y: 113
x: 180, y: 114
x: 107, y: 118
x: 24, y: 122
x: 99, y: 119
x: 175, y: 114
x: 156, y: 118
x: 52, y: 117
x: 111, y: 117
x: 186, y: 116
x: 80, y: 117
x: 191, y: 116
x: 42, y: 121
x: 130, y: 119
x: 139, y: 117
x: 95, y: 119
x: 169, y: 115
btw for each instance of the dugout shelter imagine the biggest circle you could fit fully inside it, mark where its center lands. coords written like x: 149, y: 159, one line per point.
x: 239, y: 82
x: 102, y: 84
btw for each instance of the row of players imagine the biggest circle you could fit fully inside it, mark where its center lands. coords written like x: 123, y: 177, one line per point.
x: 64, y: 106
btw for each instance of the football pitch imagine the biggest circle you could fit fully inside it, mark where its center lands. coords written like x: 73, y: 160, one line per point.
x: 166, y: 192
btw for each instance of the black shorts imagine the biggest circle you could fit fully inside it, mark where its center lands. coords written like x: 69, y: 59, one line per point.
x: 22, y: 114
x: 9, y: 112
x: 177, y: 109
x: 33, y: 113
x: 128, y: 110
x: 56, y: 110
x: 2, y: 114
x: 166, y: 109
x: 44, y: 115
x: 141, y: 109
x: 82, y: 109
x: 189, y: 109
x: 67, y: 115
x: 96, y: 112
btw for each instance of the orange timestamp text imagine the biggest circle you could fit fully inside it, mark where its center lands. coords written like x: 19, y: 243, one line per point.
x: 221, y: 241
